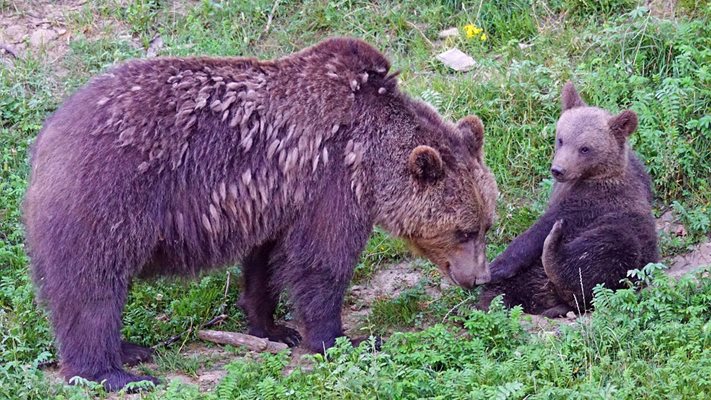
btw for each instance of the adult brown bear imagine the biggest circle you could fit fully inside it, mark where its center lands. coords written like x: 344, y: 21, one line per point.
x: 175, y: 165
x: 598, y: 224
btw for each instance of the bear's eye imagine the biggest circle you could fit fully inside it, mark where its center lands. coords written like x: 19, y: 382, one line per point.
x: 466, y: 236
x: 560, y: 142
x: 584, y: 150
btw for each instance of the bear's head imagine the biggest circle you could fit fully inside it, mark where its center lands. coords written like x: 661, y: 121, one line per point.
x: 591, y: 143
x: 442, y: 197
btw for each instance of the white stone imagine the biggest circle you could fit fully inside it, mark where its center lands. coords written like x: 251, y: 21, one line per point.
x: 457, y: 60
x: 41, y: 37
x: 14, y: 33
x: 451, y: 32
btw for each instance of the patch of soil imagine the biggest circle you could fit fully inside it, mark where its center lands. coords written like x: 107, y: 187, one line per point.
x: 387, y: 283
x: 662, y: 8
x: 37, y: 25
x: 697, y: 258
x: 538, y: 324
x: 45, y: 27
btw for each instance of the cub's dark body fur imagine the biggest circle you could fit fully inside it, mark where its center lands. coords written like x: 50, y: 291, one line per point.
x: 598, y: 224
x: 171, y: 166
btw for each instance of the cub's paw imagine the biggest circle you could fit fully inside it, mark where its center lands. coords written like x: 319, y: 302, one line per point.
x: 132, y: 354
x: 500, y: 271
x: 116, y: 380
x: 555, y: 234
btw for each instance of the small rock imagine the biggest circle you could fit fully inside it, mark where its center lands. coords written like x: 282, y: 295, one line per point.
x: 669, y: 224
x: 14, y: 33
x: 570, y: 315
x: 524, y: 46
x: 155, y: 46
x: 680, y: 231
x: 210, y: 377
x: 451, y: 32
x: 41, y: 37
x: 178, y: 377
x: 445, y: 284
x: 699, y: 257
x: 457, y: 60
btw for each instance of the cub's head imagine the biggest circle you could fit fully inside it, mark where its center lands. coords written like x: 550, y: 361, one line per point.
x: 590, y: 143
x: 443, y: 198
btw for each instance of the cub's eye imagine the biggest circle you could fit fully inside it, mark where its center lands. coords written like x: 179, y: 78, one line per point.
x: 584, y: 150
x: 465, y: 236
x: 560, y: 142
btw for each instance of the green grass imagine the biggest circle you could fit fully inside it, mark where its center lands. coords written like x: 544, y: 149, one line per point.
x: 653, y: 345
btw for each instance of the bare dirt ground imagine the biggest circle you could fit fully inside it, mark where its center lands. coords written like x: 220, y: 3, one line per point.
x: 41, y: 25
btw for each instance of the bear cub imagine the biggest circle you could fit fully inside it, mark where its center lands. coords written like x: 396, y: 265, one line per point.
x: 598, y: 224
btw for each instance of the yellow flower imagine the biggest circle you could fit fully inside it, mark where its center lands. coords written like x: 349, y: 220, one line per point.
x: 483, y: 37
x: 471, y: 30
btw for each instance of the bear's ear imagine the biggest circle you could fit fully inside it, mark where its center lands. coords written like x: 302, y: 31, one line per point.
x: 623, y: 124
x: 570, y: 98
x: 473, y: 133
x: 425, y: 164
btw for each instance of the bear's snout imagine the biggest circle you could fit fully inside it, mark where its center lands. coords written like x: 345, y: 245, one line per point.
x: 558, y: 172
x: 467, y: 265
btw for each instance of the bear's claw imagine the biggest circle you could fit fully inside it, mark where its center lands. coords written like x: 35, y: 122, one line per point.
x: 132, y: 354
x: 116, y: 380
x: 280, y: 333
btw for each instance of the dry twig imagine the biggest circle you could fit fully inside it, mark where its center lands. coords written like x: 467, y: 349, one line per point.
x: 271, y: 16
x: 240, y: 339
x: 413, y: 26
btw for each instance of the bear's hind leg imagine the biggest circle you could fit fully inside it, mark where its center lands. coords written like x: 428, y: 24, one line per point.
x: 87, y: 324
x: 551, y: 248
x: 133, y: 354
x: 600, y: 255
x: 259, y: 298
x: 530, y: 288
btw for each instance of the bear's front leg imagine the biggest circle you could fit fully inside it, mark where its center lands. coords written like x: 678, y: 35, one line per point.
x: 525, y: 250
x: 319, y: 292
x: 316, y: 263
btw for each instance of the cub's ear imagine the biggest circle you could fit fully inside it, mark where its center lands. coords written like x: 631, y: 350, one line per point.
x: 425, y: 164
x: 570, y: 98
x: 623, y: 124
x: 473, y: 133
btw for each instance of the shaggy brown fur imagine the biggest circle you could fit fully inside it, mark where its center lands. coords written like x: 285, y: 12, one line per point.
x: 598, y: 224
x: 171, y: 166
